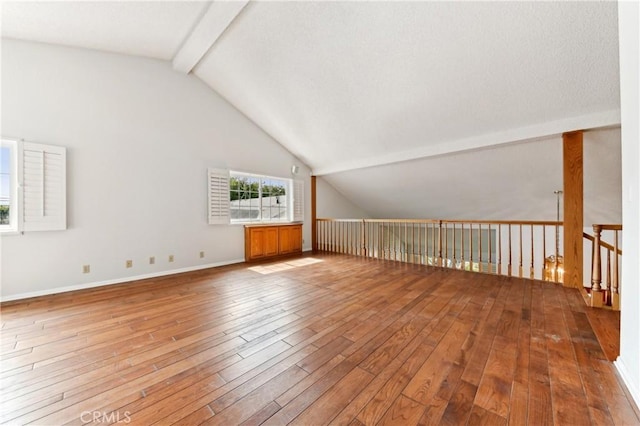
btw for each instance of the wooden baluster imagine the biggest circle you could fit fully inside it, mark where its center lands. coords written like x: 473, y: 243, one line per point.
x: 420, y: 244
x: 499, y: 249
x: 615, y: 287
x: 413, y: 243
x: 388, y: 229
x: 404, y: 256
x: 509, y: 269
x: 355, y: 238
x: 531, y: 270
x: 596, y: 271
x: 607, y: 288
x: 520, y: 264
x: 345, y: 237
x: 455, y: 260
x: 445, y: 259
x: 326, y: 236
x: 363, y: 231
x: 490, y: 254
x: 395, y: 243
x: 327, y: 241
x: 332, y: 237
x: 480, y: 268
x: 433, y: 243
x: 462, y: 247
x: 471, y: 246
x: 440, y: 243
x: 327, y: 231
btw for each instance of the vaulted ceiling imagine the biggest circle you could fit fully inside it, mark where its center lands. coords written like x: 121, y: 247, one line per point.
x: 383, y: 93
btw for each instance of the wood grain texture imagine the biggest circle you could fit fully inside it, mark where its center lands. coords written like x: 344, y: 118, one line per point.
x: 321, y: 339
x: 573, y: 211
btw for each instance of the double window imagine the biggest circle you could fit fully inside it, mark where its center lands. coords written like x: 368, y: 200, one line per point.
x: 236, y: 197
x: 32, y: 187
x: 256, y: 198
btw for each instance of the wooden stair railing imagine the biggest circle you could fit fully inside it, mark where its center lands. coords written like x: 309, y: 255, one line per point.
x: 511, y: 248
x: 607, y: 295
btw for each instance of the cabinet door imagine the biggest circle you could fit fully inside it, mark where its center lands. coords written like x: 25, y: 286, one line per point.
x: 257, y: 243
x: 271, y: 241
x: 285, y: 239
x: 296, y: 239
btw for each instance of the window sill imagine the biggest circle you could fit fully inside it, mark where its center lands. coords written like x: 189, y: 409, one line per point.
x: 256, y: 224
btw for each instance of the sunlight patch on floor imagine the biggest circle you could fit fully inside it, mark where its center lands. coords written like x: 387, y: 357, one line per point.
x: 283, y: 266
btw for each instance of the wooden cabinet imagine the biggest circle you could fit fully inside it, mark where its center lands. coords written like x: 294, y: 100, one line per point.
x: 269, y: 241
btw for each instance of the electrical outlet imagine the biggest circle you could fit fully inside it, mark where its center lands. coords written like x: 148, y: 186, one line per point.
x: 170, y: 258
x: 86, y: 269
x: 152, y: 260
x: 201, y: 255
x: 129, y: 263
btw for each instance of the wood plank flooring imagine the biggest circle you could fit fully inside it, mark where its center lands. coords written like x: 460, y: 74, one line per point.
x: 322, y: 339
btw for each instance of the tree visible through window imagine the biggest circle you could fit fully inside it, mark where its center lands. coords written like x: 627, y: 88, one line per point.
x: 258, y: 198
x: 6, y: 172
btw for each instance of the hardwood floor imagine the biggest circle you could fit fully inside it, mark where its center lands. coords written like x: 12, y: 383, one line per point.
x: 323, y: 339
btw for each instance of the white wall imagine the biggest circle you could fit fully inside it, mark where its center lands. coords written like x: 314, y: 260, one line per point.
x: 332, y: 204
x: 602, y: 177
x: 140, y: 137
x: 628, y: 363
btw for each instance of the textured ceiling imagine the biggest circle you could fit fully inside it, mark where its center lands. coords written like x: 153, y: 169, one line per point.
x: 154, y: 29
x: 410, y: 109
x: 340, y: 83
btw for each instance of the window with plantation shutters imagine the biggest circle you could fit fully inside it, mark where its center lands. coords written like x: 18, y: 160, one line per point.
x: 218, y: 197
x: 43, y: 187
x: 298, y: 200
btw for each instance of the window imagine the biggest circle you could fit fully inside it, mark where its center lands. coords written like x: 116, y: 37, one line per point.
x: 8, y: 186
x: 256, y: 198
x: 32, y: 187
x: 236, y: 197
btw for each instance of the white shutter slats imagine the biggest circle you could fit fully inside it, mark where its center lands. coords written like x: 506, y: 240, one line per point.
x: 43, y: 187
x: 298, y: 200
x: 218, y: 197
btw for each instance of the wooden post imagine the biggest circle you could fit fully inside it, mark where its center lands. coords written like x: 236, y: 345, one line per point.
x: 572, y: 160
x: 314, y: 230
x: 615, y: 293
x: 596, y: 269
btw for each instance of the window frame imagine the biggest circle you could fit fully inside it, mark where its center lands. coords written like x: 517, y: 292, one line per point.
x: 288, y: 194
x: 15, y: 199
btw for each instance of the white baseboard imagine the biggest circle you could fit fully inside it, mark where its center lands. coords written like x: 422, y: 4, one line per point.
x: 115, y: 281
x: 626, y: 378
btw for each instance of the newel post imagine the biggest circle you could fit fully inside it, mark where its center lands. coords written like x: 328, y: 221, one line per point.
x: 596, y: 268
